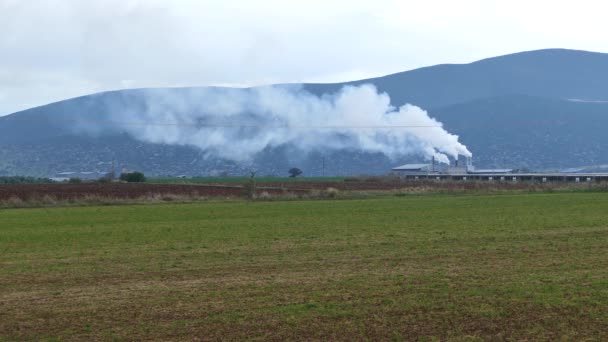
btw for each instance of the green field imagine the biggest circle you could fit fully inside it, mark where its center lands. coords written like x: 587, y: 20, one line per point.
x: 503, y: 267
x: 209, y: 180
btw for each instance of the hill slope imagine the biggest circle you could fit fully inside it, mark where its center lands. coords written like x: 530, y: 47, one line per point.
x: 510, y: 110
x: 553, y: 73
x: 530, y: 132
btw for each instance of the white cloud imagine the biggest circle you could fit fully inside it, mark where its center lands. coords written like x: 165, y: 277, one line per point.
x: 55, y: 49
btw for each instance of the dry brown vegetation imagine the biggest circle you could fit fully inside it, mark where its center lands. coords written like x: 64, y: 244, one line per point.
x: 37, y: 195
x: 45, y: 195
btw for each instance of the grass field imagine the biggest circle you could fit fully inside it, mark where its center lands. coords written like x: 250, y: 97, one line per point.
x: 503, y: 267
x: 228, y: 180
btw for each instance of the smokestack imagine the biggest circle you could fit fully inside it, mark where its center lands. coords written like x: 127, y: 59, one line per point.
x: 433, y: 164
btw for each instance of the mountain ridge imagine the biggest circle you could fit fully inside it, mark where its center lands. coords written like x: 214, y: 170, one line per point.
x: 473, y: 100
x: 489, y: 60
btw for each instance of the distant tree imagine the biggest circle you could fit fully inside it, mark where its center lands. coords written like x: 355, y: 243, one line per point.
x: 133, y: 177
x: 294, y: 172
x: 75, y: 180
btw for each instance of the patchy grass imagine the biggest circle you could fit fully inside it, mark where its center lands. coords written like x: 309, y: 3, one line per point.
x: 440, y: 267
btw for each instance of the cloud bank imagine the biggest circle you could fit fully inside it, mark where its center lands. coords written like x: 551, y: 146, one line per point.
x: 58, y: 49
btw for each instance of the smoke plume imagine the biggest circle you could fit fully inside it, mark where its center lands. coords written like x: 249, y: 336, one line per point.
x: 236, y: 124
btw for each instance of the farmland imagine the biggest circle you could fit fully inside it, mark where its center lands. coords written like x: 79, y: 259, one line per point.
x: 450, y: 267
x: 65, y: 194
x: 233, y: 180
x: 196, y: 190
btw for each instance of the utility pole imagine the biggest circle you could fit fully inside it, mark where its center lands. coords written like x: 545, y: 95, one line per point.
x: 252, y: 186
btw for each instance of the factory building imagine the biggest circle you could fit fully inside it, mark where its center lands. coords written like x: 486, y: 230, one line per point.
x: 463, y: 170
x: 414, y: 168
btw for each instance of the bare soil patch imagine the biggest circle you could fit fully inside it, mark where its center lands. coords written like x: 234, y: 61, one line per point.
x: 27, y: 192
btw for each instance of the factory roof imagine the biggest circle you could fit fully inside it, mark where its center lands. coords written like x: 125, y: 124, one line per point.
x: 412, y: 167
x: 489, y: 171
x: 573, y: 170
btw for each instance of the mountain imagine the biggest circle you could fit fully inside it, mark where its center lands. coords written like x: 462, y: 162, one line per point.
x: 523, y: 131
x: 538, y: 109
x: 552, y: 73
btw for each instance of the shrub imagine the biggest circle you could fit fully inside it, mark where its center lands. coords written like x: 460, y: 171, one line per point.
x: 14, y: 202
x: 133, y: 177
x: 75, y: 180
x: 23, y: 180
x: 332, y: 192
x: 294, y: 172
x: 49, y: 200
x: 264, y: 195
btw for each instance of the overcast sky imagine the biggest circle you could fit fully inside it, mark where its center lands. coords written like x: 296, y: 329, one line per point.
x: 56, y: 49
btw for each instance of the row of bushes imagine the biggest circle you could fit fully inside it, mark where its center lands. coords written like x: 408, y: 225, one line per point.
x: 24, y: 180
x: 131, y: 177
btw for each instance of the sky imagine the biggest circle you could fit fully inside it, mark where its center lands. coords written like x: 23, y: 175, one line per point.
x: 52, y: 50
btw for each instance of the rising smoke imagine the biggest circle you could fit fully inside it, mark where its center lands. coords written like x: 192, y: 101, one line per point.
x: 236, y: 124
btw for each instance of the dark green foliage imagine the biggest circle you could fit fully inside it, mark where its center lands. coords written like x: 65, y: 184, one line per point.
x: 294, y: 172
x: 23, y: 180
x: 75, y: 180
x: 133, y: 177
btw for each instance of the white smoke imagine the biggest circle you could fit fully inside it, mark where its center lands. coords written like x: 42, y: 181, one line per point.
x: 238, y: 123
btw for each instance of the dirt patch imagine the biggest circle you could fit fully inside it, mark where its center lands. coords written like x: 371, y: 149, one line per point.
x: 28, y: 192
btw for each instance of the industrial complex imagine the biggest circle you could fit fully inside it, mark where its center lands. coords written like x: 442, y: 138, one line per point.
x: 463, y: 170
